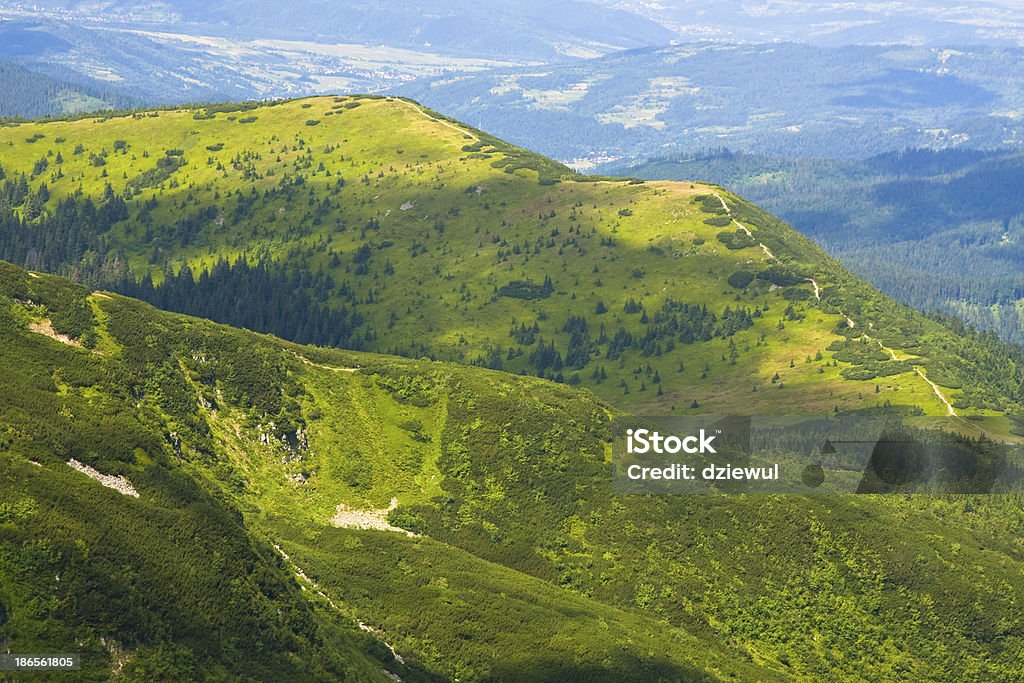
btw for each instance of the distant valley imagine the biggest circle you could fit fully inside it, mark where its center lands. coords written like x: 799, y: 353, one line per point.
x: 612, y: 88
x: 780, y: 99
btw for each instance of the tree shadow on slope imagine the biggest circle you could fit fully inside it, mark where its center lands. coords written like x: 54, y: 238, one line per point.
x: 546, y: 669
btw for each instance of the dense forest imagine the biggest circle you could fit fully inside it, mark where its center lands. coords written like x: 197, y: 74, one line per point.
x: 30, y: 94
x: 256, y: 296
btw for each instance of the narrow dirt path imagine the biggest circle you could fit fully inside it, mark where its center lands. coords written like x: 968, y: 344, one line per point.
x: 849, y: 321
x: 938, y: 392
x: 437, y: 120
x: 728, y: 211
x: 817, y: 289
x: 892, y: 354
x: 332, y: 368
x: 920, y: 372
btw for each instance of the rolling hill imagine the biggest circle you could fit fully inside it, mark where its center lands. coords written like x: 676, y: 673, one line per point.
x: 224, y: 452
x: 372, y: 223
x: 185, y: 500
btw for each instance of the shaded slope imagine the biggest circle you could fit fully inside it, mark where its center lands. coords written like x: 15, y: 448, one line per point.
x: 28, y: 94
x: 167, y: 586
x: 205, y: 423
x: 505, y: 480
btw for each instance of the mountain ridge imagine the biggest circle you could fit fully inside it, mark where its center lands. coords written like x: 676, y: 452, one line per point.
x: 331, y: 208
x: 894, y: 220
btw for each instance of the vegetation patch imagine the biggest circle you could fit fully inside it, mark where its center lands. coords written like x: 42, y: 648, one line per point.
x: 781, y: 276
x: 718, y: 221
x: 526, y: 290
x: 741, y: 279
x: 164, y: 169
x: 738, y: 239
x: 709, y: 203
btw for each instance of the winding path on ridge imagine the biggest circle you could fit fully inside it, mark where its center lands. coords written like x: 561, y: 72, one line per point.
x: 728, y: 212
x: 419, y: 109
x: 938, y: 392
x: 951, y: 412
x: 332, y: 368
x: 920, y: 372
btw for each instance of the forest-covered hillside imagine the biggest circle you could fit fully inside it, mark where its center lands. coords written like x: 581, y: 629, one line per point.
x: 260, y: 500
x: 29, y: 94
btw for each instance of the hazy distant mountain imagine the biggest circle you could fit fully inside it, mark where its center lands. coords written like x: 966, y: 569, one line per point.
x: 908, y: 22
x: 500, y: 29
x: 784, y: 99
x: 192, y: 51
x: 511, y: 67
x: 534, y: 29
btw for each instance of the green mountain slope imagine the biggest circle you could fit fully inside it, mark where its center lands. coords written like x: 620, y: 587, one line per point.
x: 372, y: 223
x: 463, y: 516
x: 165, y: 584
x: 218, y: 438
x: 897, y: 220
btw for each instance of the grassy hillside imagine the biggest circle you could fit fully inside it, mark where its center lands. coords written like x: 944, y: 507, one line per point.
x: 220, y: 438
x: 375, y: 224
x: 495, y: 550
x: 163, y: 585
x: 897, y: 220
